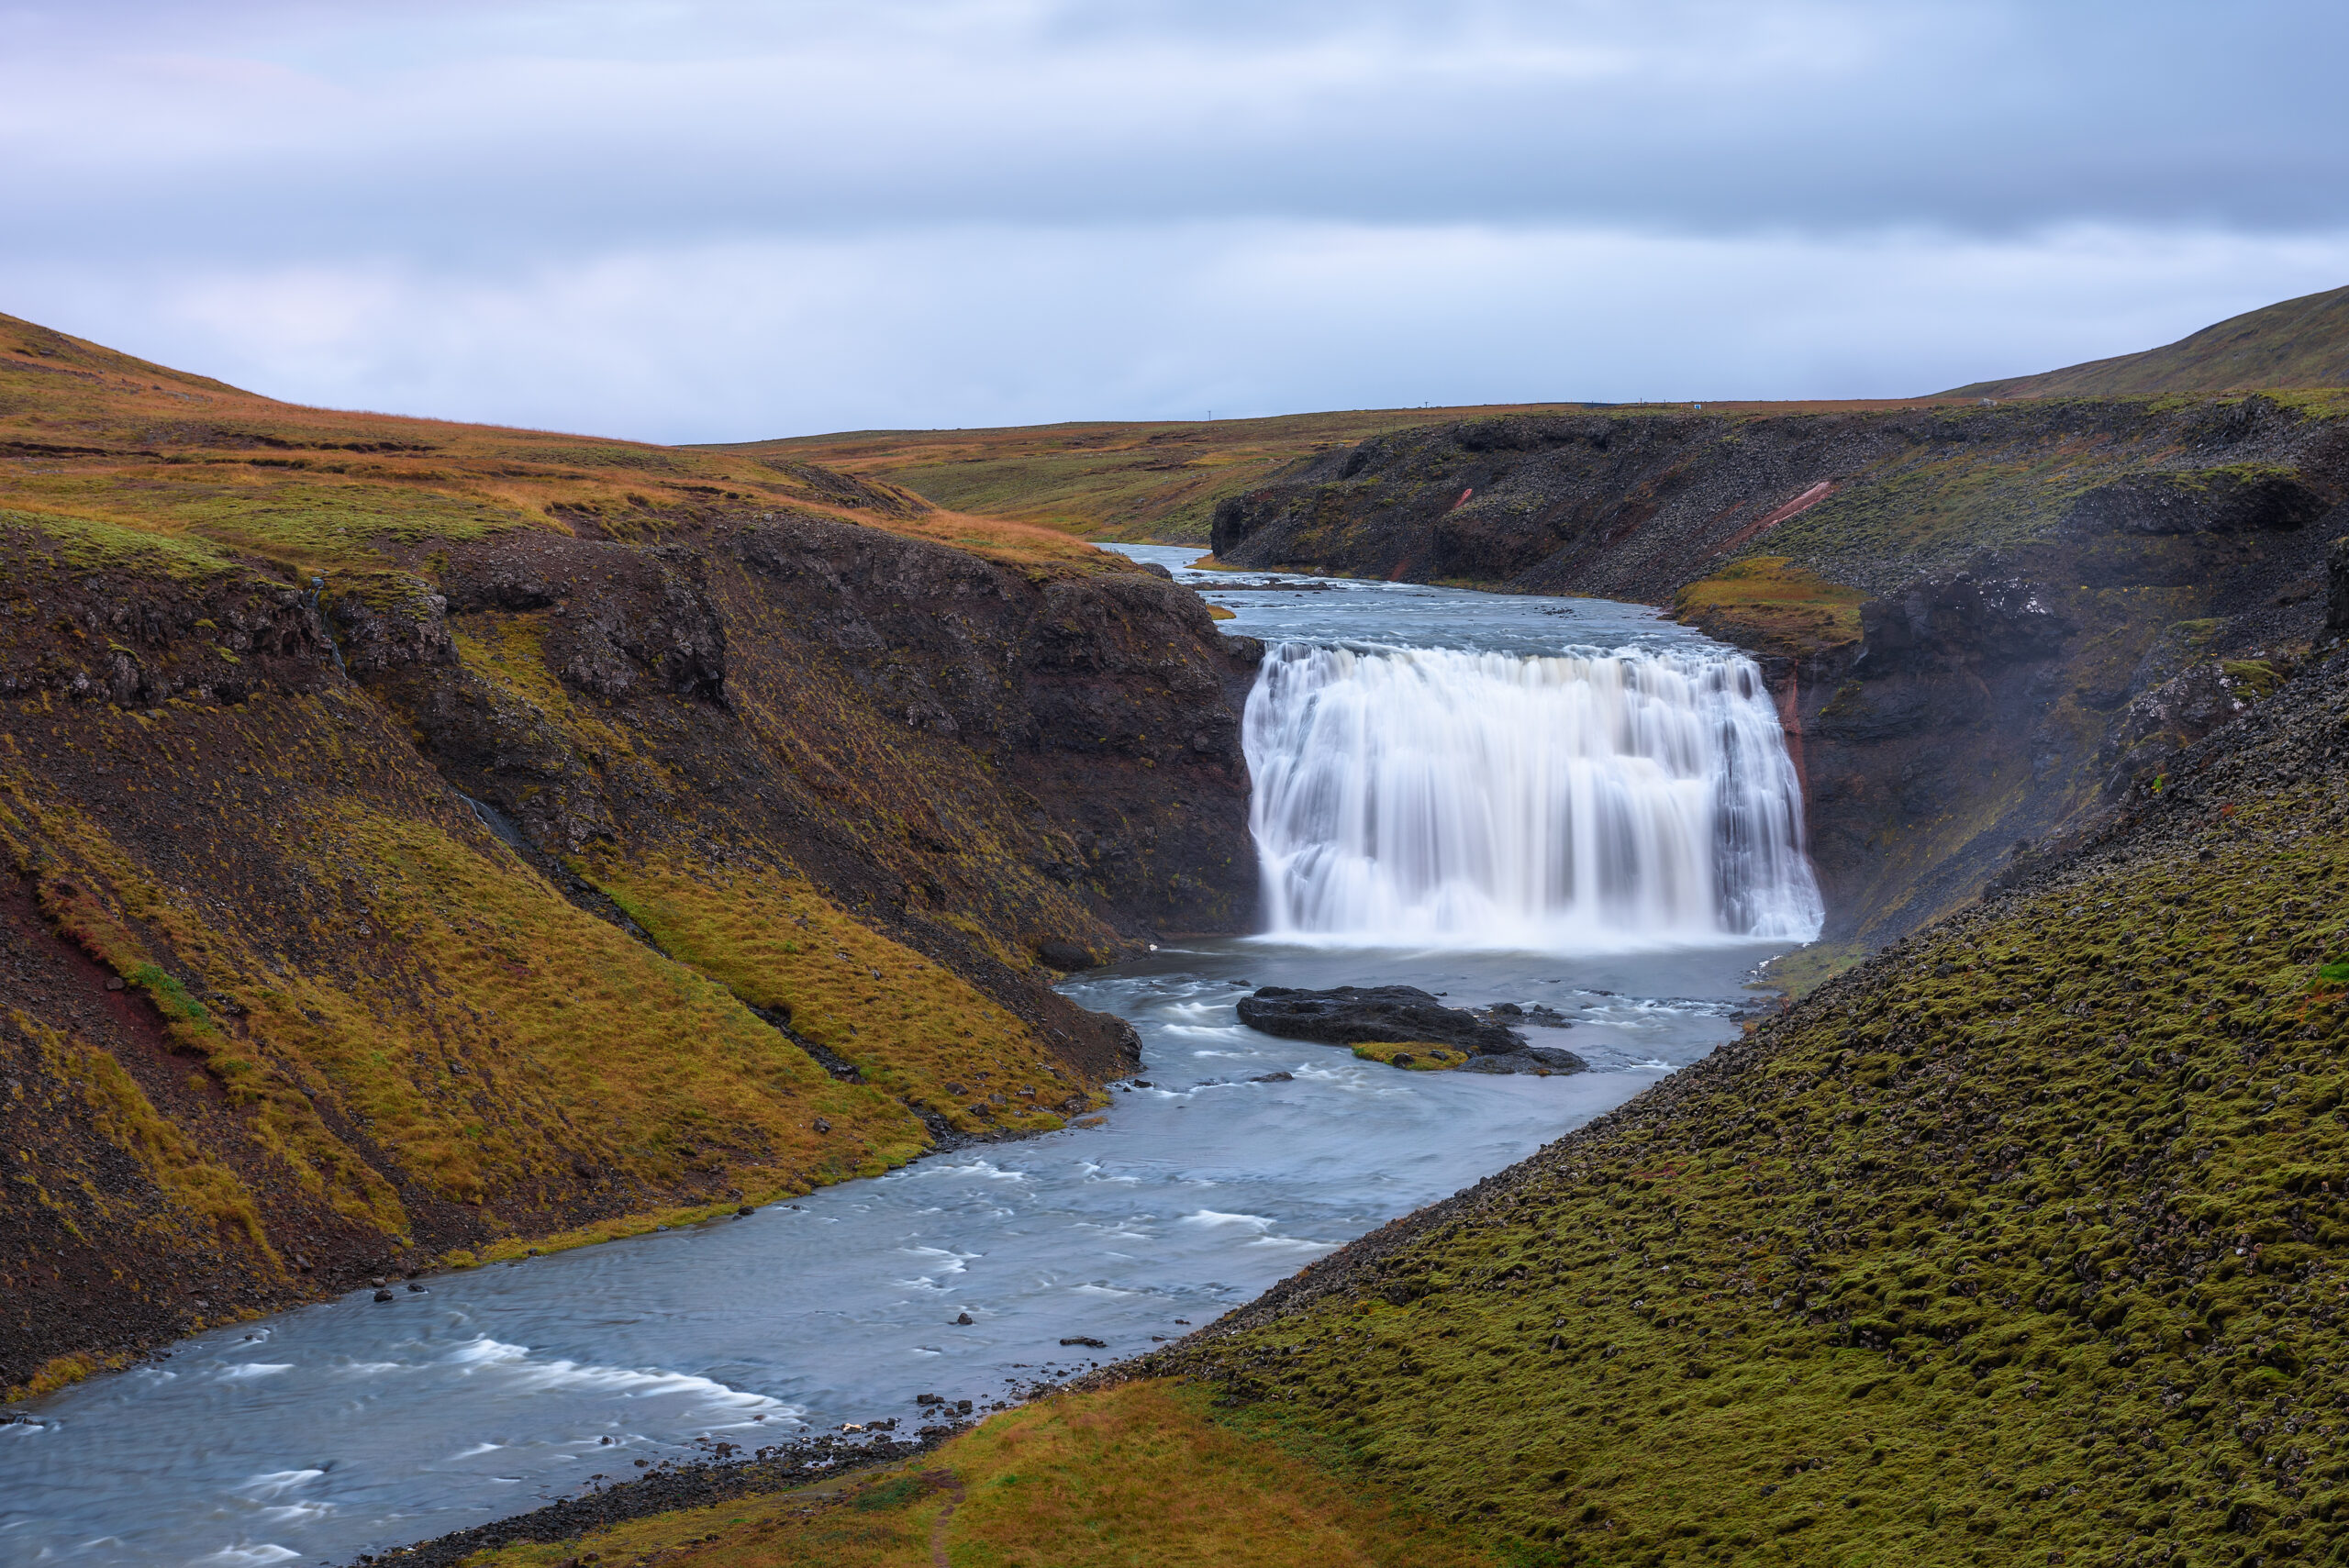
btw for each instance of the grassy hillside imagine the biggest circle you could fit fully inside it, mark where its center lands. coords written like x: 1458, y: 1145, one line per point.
x: 1110, y: 479
x: 2298, y: 342
x: 97, y: 435
x: 423, y: 843
x: 1119, y: 480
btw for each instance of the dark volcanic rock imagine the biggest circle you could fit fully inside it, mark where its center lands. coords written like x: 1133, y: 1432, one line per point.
x: 1532, y: 1059
x: 1350, y: 1015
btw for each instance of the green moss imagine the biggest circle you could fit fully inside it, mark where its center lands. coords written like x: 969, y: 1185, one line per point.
x: 2253, y: 678
x: 1767, y: 603
x: 172, y: 999
x: 1417, y: 1055
x: 1929, y: 509
x: 2026, y: 1238
x: 90, y: 544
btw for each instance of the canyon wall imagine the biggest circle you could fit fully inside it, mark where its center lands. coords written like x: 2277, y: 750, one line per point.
x: 538, y: 883
x: 1986, y: 624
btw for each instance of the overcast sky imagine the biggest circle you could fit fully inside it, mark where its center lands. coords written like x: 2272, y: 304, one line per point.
x: 708, y: 221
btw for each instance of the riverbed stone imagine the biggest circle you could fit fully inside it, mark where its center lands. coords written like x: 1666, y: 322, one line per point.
x: 1547, y: 1059
x: 1353, y: 1015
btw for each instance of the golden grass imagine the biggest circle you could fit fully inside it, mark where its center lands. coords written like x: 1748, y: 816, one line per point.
x: 1135, y: 1476
x: 1414, y: 1055
x: 1767, y: 603
x: 380, y: 956
x: 1160, y: 480
x: 88, y: 1088
x: 919, y: 1031
x: 146, y: 459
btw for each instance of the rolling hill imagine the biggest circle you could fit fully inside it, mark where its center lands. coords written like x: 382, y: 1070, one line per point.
x: 2297, y: 342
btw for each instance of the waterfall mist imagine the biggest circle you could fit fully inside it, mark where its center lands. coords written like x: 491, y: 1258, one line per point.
x: 1631, y: 799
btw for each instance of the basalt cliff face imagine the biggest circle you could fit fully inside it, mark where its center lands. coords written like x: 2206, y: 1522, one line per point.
x: 395, y: 873
x: 1984, y: 625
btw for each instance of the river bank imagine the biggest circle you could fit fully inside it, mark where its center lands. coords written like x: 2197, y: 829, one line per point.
x: 359, y: 1425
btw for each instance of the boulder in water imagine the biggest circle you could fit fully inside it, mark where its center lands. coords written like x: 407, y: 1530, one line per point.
x: 1356, y: 1015
x: 1532, y: 1059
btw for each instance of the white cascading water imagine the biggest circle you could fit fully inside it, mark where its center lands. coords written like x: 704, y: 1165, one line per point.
x: 1623, y: 800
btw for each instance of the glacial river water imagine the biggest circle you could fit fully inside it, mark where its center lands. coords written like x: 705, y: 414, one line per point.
x: 352, y: 1426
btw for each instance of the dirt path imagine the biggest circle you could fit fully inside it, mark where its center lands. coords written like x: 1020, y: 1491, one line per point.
x: 942, y: 1481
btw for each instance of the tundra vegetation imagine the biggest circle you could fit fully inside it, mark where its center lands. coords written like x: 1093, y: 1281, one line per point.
x: 1156, y: 481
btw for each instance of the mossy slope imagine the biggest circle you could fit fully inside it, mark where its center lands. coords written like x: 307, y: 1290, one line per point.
x: 1769, y: 604
x: 421, y: 1046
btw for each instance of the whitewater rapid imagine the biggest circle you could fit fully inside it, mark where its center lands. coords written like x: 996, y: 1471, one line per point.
x: 1592, y: 800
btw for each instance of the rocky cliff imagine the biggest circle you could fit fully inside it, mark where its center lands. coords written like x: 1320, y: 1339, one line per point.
x: 492, y: 839
x: 1982, y: 623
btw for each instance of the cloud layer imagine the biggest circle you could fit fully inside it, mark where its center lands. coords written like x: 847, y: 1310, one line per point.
x: 717, y: 220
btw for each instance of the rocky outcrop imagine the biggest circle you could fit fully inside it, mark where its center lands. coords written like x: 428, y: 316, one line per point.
x: 135, y: 637
x: 1353, y: 1015
x: 2233, y: 499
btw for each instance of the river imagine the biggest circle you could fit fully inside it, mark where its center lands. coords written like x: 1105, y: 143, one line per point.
x: 1542, y: 768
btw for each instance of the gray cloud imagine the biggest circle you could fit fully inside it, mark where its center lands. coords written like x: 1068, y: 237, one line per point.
x: 525, y: 185
x: 507, y: 128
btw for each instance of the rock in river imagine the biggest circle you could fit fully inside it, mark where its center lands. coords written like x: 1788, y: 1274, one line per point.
x: 1532, y: 1059
x: 1352, y: 1014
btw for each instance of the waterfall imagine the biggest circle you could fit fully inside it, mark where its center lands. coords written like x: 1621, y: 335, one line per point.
x: 1631, y: 799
